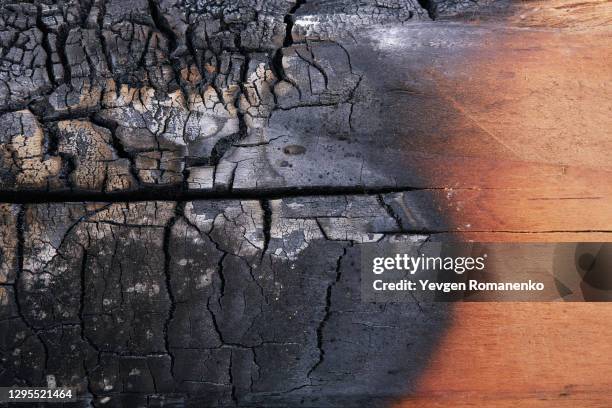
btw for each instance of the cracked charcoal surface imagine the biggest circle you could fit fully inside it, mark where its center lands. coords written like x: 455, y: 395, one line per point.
x: 128, y: 96
x: 230, y: 292
x: 179, y: 302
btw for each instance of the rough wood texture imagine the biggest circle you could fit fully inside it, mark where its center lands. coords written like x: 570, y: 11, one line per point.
x: 186, y: 184
x: 521, y: 354
x: 206, y: 303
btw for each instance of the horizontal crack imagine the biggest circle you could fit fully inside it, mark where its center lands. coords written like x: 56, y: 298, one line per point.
x: 178, y: 194
x: 495, y: 231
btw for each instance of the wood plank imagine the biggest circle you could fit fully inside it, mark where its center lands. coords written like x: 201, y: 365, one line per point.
x: 521, y: 354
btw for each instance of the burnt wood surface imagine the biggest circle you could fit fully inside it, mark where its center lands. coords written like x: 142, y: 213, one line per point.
x: 185, y: 186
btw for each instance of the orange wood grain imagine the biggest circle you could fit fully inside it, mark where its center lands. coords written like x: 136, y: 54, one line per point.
x: 522, y: 354
x: 542, y: 94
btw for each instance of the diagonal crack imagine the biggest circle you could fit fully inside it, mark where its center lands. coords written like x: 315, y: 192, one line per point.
x: 290, y: 21
x: 267, y: 225
x: 84, y: 336
x: 18, y: 277
x: 168, y: 280
x: 327, y: 314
